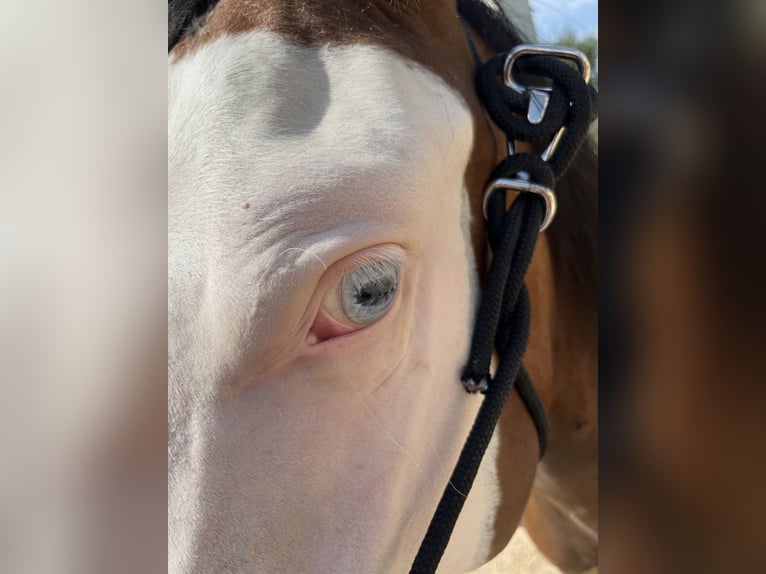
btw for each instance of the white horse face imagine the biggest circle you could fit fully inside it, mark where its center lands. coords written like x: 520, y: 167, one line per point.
x: 313, y: 429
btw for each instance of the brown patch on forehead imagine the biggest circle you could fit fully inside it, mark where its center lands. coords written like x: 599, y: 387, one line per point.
x: 311, y: 21
x: 425, y: 31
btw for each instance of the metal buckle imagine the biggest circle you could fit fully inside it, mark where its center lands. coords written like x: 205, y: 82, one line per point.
x: 524, y: 186
x: 539, y: 96
x: 561, y: 52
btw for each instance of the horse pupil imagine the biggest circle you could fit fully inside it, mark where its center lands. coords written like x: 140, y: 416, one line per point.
x: 366, y: 298
x: 363, y: 297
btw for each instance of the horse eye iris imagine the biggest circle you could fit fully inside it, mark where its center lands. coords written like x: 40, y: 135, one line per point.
x: 368, y: 291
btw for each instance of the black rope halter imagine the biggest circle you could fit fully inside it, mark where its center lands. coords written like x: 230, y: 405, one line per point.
x: 556, y: 114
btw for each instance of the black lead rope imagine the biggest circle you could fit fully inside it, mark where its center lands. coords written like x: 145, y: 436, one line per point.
x: 503, y: 317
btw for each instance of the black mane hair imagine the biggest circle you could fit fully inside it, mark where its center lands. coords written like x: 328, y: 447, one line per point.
x: 181, y: 15
x: 492, y: 25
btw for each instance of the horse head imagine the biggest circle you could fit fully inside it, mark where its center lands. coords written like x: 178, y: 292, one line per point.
x: 326, y: 246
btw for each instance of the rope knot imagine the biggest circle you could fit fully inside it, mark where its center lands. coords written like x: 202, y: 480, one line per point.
x: 472, y: 386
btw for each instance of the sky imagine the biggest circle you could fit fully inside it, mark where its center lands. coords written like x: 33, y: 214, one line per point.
x: 552, y: 17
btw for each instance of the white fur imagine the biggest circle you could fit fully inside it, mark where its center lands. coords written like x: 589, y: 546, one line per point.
x: 329, y: 459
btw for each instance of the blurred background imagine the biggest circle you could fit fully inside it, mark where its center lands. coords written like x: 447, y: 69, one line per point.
x: 83, y: 259
x: 681, y: 277
x: 83, y: 283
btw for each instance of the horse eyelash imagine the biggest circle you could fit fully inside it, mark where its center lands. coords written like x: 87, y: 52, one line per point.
x: 379, y: 256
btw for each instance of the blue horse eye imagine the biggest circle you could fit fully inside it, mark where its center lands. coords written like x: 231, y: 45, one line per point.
x: 368, y: 291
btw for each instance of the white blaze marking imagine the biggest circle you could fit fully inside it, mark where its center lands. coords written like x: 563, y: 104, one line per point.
x: 275, y: 464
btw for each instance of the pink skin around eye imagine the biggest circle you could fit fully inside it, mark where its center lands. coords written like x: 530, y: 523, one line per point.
x: 325, y: 327
x: 330, y: 321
